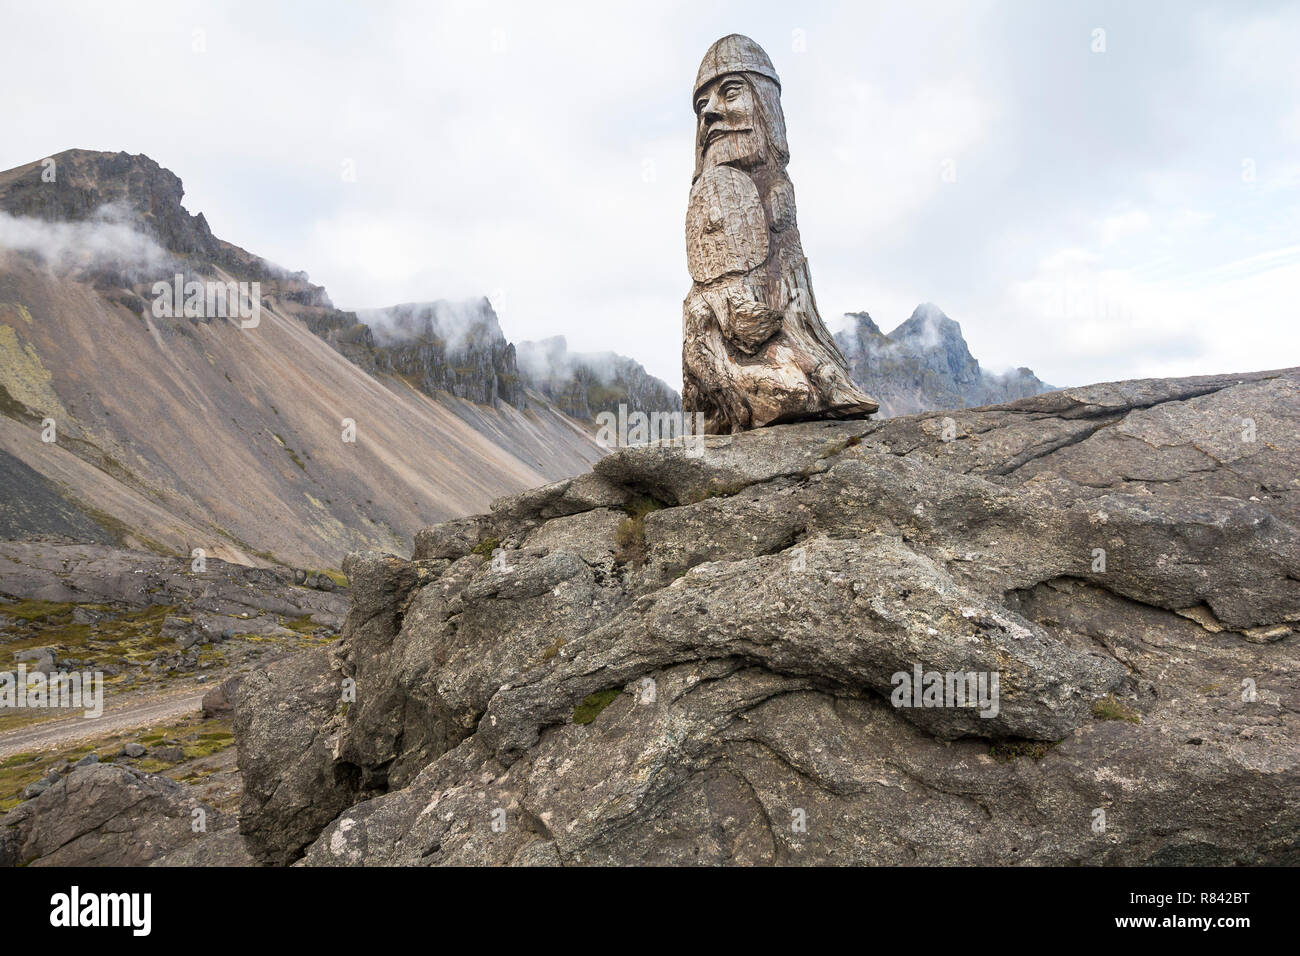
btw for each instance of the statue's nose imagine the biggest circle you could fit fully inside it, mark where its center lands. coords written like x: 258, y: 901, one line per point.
x: 711, y: 113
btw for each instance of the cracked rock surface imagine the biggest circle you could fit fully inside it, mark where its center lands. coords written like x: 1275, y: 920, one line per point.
x: 111, y: 815
x: 690, y: 654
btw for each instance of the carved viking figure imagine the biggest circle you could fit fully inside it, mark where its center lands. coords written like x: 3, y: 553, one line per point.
x: 754, y: 349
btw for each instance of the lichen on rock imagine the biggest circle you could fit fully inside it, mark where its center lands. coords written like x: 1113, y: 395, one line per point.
x: 1126, y: 593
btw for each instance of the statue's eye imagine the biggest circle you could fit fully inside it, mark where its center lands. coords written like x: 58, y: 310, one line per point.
x: 730, y: 90
x: 699, y: 105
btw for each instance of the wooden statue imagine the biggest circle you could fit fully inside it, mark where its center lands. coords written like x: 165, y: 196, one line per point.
x: 754, y: 349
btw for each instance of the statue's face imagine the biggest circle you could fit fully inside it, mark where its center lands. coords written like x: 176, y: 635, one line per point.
x: 727, y: 120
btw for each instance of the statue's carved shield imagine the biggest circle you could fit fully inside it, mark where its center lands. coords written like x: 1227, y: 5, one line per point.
x: 726, y: 229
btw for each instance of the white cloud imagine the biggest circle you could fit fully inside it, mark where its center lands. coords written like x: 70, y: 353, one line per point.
x: 503, y: 149
x: 106, y: 239
x: 1079, y: 322
x: 1117, y: 227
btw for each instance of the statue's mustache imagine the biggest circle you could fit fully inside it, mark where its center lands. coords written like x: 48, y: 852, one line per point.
x: 717, y: 132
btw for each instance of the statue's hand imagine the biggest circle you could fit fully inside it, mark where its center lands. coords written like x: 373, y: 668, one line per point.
x: 780, y: 205
x: 750, y: 322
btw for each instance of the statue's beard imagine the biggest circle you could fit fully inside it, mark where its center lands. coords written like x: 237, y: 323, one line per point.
x: 743, y: 148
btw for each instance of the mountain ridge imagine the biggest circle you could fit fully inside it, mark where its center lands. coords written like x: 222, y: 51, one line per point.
x: 925, y: 364
x: 173, y: 434
x: 584, y: 384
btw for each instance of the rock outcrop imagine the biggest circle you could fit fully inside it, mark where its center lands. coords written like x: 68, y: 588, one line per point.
x: 695, y: 658
x: 85, y: 184
x: 97, y: 574
x: 110, y: 815
x: 924, y: 364
x: 455, y: 347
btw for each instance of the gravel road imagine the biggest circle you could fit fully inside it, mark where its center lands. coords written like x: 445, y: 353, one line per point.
x: 123, y: 715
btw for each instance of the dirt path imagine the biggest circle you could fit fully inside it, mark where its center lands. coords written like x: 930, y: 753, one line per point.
x: 122, y: 715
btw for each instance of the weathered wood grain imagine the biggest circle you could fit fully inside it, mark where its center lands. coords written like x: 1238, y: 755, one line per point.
x: 754, y: 348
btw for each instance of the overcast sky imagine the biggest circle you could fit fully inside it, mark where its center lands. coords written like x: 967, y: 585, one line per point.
x: 1092, y: 205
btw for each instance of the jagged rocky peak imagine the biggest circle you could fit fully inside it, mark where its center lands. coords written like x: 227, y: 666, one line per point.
x: 457, y: 347
x: 938, y: 342
x: 128, y: 222
x: 83, y: 184
x: 584, y: 384
x: 117, y: 219
x: 925, y: 364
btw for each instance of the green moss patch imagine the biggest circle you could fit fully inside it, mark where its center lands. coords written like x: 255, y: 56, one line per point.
x: 593, y: 704
x: 1112, y: 708
x: 630, y: 534
x: 719, y: 489
x: 338, y: 577
x: 196, y: 736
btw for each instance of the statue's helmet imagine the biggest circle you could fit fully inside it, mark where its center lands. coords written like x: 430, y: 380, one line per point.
x: 733, y: 54
x: 737, y: 54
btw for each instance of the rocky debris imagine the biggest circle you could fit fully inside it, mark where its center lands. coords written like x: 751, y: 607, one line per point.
x: 181, y: 630
x: 40, y: 660
x: 528, y: 691
x: 220, y: 700
x: 118, y: 589
x: 104, y: 815
x: 925, y: 364
x: 36, y: 788
x: 89, y: 615
x: 133, y: 750
x: 215, y: 628
x: 177, y: 661
x: 43, y: 509
x: 221, y: 848
x: 99, y: 574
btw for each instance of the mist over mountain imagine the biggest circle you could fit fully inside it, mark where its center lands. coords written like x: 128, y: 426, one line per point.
x: 457, y: 347
x: 584, y: 384
x: 925, y: 364
x: 176, y: 433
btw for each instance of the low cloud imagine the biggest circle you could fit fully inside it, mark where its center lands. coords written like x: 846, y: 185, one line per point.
x: 108, y: 239
x: 457, y: 325
x: 550, y: 360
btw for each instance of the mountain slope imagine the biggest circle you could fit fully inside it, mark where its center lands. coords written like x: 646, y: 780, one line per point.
x: 173, y: 434
x: 924, y: 364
